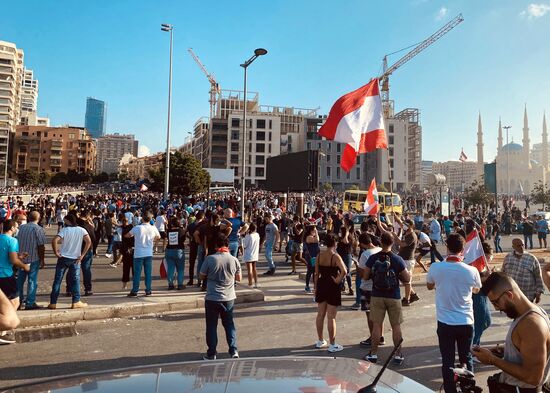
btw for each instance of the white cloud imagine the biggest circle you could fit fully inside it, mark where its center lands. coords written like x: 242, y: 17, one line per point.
x: 442, y: 13
x: 143, y: 151
x: 534, y: 11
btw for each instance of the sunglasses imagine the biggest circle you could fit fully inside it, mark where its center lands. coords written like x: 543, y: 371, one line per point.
x: 495, y: 302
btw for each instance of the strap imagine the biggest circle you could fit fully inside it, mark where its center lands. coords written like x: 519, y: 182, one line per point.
x: 331, y: 260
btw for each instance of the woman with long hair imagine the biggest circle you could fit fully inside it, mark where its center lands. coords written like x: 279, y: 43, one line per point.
x: 344, y: 249
x: 251, y: 246
x: 174, y: 253
x: 127, y: 250
x: 329, y: 273
x: 312, y: 250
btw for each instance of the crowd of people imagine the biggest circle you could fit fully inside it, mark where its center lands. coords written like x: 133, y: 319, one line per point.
x: 369, y: 261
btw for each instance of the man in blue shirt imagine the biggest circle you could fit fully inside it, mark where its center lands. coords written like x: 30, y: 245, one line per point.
x: 10, y: 258
x: 233, y: 237
x: 542, y: 230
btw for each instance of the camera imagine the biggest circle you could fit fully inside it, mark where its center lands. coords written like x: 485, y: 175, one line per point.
x: 464, y: 380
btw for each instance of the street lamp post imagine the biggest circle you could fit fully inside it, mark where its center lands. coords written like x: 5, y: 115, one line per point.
x: 169, y: 28
x: 257, y: 53
x: 507, y: 161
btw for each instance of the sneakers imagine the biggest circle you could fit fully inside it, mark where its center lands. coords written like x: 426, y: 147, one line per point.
x: 355, y: 306
x: 321, y: 344
x: 235, y: 355
x: 307, y: 290
x: 33, y: 307
x: 351, y: 293
x: 414, y: 297
x: 88, y: 293
x: 335, y: 348
x: 52, y: 306
x: 113, y: 265
x: 148, y: 293
x: 181, y: 287
x: 132, y: 294
x: 208, y: 357
x: 368, y: 342
x: 405, y: 302
x: 108, y: 256
x: 398, y: 359
x: 256, y: 286
x: 171, y: 287
x: 7, y: 338
x: 79, y: 304
x: 371, y: 358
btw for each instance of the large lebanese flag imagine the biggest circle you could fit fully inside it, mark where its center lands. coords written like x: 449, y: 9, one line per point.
x: 357, y: 120
x: 371, y: 203
x: 473, y: 252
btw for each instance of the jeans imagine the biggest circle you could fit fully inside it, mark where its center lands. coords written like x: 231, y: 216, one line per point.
x: 269, y: 256
x: 482, y: 316
x: 528, y: 239
x: 434, y: 253
x: 145, y: 263
x: 73, y: 279
x: 109, y: 244
x: 175, y: 259
x: 32, y: 285
x: 498, y: 248
x: 193, y: 248
x: 86, y: 265
x: 223, y: 310
x: 201, y: 254
x: 234, y: 248
x: 449, y: 337
x: 347, y: 261
x: 310, y: 271
x: 357, y: 288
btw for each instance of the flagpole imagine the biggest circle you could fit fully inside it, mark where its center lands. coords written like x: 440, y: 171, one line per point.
x: 391, y: 185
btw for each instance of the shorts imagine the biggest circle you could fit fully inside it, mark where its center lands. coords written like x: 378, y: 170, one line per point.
x: 162, y: 235
x: 424, y: 252
x: 542, y: 235
x: 409, y: 265
x: 379, y: 306
x: 8, y: 285
x: 365, y: 300
x: 297, y: 247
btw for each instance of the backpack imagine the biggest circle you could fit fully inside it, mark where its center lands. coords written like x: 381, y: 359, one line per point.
x: 384, y: 278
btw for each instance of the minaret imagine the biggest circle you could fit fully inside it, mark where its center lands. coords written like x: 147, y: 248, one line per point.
x: 480, y: 162
x: 544, y: 143
x: 525, y: 141
x: 499, y: 135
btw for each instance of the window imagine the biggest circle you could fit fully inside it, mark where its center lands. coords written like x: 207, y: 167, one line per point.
x: 391, y: 128
x: 234, y: 147
x: 337, y: 159
x: 358, y: 161
x: 270, y: 125
x: 260, y: 123
x: 235, y: 135
x: 260, y: 160
x: 259, y: 172
x: 309, y: 145
x: 249, y: 135
x: 338, y: 172
x: 269, y: 149
x: 328, y: 157
x: 234, y: 158
x: 260, y: 148
x: 235, y: 122
x: 270, y: 135
x: 71, y: 136
x: 328, y: 171
x: 338, y: 150
x: 347, y: 175
x: 358, y: 173
x: 260, y: 136
x: 391, y: 151
x: 391, y: 139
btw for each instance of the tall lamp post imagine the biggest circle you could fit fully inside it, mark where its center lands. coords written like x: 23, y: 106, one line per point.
x: 169, y: 28
x: 507, y: 161
x: 257, y: 53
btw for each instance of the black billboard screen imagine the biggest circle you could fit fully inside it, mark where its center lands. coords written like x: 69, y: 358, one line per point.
x: 293, y: 172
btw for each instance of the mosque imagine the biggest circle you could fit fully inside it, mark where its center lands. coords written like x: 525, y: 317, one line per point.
x: 517, y: 172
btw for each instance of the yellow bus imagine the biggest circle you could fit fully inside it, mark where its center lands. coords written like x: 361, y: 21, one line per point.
x: 354, y: 201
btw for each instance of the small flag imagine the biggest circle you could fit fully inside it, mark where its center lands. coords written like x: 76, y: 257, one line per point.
x: 357, y: 120
x: 462, y: 157
x: 143, y: 188
x: 371, y: 203
x: 473, y: 251
x: 8, y: 213
x: 163, y: 269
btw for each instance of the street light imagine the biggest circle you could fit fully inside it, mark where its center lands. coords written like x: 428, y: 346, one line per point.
x: 507, y: 161
x: 257, y: 53
x: 169, y: 28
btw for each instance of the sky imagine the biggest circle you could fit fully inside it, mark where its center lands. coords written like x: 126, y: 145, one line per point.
x: 494, y: 63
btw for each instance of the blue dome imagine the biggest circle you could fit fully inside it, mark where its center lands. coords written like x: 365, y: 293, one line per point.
x: 512, y: 147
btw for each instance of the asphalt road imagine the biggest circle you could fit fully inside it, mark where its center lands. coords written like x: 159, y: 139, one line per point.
x: 283, y: 325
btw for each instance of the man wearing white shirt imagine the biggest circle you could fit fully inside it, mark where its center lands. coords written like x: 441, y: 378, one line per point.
x: 454, y: 282
x: 145, y: 235
x: 435, y: 237
x: 160, y: 224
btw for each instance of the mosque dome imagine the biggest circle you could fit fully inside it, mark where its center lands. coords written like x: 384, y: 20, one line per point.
x: 512, y: 147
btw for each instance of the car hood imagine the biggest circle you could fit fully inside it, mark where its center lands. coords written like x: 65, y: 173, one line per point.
x: 265, y: 375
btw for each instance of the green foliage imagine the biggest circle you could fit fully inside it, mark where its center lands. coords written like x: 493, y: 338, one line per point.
x: 102, y: 177
x: 477, y: 195
x: 540, y: 194
x: 29, y: 177
x: 353, y: 187
x: 327, y: 187
x: 381, y: 188
x: 186, y: 175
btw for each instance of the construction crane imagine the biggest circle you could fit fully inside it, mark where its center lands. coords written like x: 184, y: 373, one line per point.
x: 215, y: 90
x: 384, y: 78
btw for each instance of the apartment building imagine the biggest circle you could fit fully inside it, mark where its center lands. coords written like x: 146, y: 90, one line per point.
x: 111, y: 148
x: 135, y: 168
x: 53, y: 149
x: 11, y: 76
x: 457, y: 173
x: 95, y: 119
x: 29, y: 93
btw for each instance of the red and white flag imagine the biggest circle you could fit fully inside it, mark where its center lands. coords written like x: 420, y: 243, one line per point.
x: 356, y: 119
x: 371, y: 203
x: 473, y: 251
x: 8, y: 207
x: 462, y: 157
x: 143, y: 188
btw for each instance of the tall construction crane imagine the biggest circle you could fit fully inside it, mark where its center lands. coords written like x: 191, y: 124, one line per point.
x: 384, y: 78
x: 214, y: 86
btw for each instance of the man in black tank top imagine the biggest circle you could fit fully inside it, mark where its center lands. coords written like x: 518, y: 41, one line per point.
x: 524, y: 359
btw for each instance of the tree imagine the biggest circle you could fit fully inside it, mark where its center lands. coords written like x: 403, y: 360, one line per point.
x: 59, y: 179
x: 327, y: 187
x: 540, y: 194
x: 102, y: 177
x: 187, y: 177
x: 29, y: 177
x: 477, y: 195
x: 381, y: 188
x: 353, y: 187
x: 45, y: 178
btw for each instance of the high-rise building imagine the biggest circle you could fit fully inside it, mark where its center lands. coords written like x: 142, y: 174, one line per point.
x: 110, y: 150
x: 29, y: 93
x: 457, y: 173
x: 53, y: 149
x: 96, y: 117
x: 11, y: 76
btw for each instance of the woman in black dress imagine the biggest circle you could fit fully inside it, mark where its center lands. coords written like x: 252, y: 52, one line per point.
x: 329, y: 273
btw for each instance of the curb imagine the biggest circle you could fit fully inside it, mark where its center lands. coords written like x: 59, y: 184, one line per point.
x: 45, y: 318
